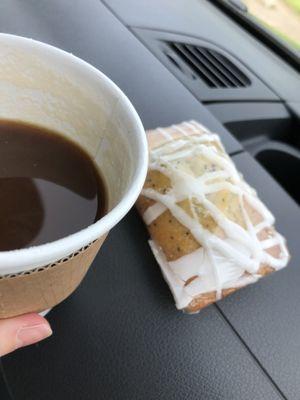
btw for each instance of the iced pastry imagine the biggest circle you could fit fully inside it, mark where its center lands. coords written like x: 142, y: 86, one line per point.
x: 209, y: 231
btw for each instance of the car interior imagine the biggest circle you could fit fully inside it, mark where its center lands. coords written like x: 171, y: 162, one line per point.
x: 119, y: 335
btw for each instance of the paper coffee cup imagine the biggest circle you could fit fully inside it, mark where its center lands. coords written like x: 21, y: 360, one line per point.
x: 43, y: 85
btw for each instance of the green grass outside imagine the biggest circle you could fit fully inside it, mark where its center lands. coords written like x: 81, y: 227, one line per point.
x: 295, y: 4
x: 293, y: 43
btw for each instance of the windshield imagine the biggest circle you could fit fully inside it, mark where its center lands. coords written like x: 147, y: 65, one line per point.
x: 282, y: 17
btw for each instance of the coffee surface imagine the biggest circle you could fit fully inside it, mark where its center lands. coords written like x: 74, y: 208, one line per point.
x: 49, y: 187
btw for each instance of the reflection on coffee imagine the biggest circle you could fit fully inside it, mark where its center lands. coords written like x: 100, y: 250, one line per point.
x: 49, y: 187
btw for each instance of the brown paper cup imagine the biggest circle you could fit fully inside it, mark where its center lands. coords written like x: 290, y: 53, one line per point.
x: 45, y: 86
x: 45, y: 287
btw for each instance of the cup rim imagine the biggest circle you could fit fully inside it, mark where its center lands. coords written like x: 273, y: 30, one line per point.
x: 19, y: 260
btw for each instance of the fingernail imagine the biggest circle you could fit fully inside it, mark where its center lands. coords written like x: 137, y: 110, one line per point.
x: 32, y: 334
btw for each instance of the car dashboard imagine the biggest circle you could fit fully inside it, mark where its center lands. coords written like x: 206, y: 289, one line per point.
x: 119, y: 336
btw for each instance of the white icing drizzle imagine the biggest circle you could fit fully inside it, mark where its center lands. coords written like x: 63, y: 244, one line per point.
x: 219, y: 263
x: 182, y: 298
x: 153, y: 212
x: 179, y: 129
x: 195, y: 126
x: 164, y: 133
x: 262, y: 225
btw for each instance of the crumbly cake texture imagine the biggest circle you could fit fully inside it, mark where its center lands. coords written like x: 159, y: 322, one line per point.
x: 210, y: 234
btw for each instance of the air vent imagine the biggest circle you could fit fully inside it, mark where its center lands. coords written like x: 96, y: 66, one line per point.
x: 212, y: 67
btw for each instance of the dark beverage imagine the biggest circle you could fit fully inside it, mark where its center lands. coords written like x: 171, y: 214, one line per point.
x: 49, y: 186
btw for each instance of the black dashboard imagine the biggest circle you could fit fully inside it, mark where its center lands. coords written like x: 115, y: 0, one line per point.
x: 119, y: 336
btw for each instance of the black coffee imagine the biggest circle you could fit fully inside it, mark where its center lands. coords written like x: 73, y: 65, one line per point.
x: 49, y: 187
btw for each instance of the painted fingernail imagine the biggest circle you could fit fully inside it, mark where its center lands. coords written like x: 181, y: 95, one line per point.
x: 32, y: 334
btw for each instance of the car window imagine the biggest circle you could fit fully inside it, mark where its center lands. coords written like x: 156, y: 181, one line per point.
x: 281, y: 17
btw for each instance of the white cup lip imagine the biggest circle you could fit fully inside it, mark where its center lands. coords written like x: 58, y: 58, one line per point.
x: 25, y: 259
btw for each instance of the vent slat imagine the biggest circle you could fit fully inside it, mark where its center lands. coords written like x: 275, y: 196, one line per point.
x: 229, y: 66
x: 212, y: 67
x: 199, y: 69
x: 227, y: 75
x: 201, y: 57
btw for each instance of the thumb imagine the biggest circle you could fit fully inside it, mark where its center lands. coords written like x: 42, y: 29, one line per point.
x: 21, y: 331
